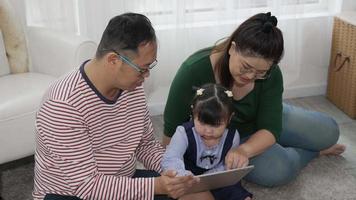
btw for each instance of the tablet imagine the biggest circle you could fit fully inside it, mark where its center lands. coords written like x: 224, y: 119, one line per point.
x: 220, y: 179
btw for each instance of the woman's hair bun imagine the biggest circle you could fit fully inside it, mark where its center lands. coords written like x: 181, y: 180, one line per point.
x: 269, y: 22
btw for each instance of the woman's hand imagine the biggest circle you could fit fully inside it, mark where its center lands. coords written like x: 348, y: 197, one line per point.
x: 172, y: 185
x: 236, y: 158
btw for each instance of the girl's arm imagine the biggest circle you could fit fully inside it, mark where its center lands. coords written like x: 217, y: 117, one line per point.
x: 173, y: 157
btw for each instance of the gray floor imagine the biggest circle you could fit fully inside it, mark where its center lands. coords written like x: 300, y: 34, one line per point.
x: 324, y: 178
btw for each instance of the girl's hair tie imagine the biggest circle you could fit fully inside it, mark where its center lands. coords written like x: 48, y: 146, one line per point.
x: 229, y: 93
x: 200, y: 92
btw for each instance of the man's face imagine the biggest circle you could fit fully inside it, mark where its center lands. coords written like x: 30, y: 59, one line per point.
x: 135, y: 69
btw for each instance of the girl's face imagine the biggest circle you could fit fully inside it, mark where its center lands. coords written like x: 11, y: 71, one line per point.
x: 210, y: 135
x: 246, y: 69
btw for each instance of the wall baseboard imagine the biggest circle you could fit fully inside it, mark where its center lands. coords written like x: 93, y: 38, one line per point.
x: 157, y: 108
x: 304, y: 91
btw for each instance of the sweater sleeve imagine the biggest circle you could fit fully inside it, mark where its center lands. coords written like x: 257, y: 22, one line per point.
x: 61, y: 132
x: 177, y: 108
x: 195, y: 71
x: 150, y: 151
x: 173, y: 157
x: 269, y: 114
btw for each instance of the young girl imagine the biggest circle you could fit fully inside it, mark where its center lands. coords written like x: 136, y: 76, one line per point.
x: 200, y: 146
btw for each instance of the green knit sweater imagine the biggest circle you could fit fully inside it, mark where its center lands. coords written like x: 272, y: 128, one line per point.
x: 259, y: 109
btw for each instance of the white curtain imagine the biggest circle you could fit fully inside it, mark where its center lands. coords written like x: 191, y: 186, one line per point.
x: 61, y: 15
x: 184, y: 26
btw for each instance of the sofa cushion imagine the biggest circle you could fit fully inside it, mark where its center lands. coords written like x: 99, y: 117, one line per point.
x: 4, y: 64
x: 21, y: 94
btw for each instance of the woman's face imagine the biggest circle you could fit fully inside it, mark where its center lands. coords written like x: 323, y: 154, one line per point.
x: 246, y: 69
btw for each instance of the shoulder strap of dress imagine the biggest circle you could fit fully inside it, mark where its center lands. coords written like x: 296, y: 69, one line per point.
x: 228, y: 143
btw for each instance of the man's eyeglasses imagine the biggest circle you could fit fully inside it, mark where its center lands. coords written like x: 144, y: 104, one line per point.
x: 133, y: 65
x: 258, y: 75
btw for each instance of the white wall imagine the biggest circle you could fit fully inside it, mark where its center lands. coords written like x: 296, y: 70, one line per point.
x: 304, y: 65
x: 306, y: 60
x: 349, y: 5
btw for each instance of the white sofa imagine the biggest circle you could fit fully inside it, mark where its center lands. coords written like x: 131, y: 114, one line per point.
x: 52, y: 54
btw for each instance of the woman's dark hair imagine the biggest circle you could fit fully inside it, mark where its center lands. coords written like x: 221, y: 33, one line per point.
x: 258, y: 36
x: 126, y: 32
x: 212, y: 104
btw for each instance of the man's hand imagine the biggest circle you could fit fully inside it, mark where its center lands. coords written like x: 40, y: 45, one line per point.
x: 236, y: 158
x: 172, y: 185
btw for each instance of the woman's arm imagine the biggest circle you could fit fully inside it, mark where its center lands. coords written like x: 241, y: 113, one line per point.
x: 194, y: 72
x: 256, y: 144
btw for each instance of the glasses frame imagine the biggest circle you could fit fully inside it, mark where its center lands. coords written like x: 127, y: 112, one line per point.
x: 133, y: 65
x: 257, y: 76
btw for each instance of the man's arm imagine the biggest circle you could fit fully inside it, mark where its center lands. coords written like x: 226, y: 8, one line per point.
x: 150, y: 151
x: 174, y: 186
x: 165, y: 140
x: 64, y: 136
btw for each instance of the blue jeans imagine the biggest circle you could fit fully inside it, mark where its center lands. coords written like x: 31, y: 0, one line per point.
x: 304, y: 134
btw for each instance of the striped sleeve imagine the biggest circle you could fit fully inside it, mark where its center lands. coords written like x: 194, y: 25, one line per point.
x: 64, y: 135
x: 150, y: 151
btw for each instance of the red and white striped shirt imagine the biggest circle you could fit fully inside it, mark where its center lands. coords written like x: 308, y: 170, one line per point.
x: 87, y: 146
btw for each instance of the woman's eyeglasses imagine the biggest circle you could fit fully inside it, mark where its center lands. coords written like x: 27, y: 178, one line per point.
x: 258, y: 75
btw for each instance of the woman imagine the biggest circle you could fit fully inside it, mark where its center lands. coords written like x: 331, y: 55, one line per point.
x: 278, y: 139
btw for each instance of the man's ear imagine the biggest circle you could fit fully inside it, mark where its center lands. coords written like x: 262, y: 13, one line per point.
x: 112, y: 58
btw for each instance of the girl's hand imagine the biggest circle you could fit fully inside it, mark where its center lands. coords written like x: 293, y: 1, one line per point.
x: 236, y: 158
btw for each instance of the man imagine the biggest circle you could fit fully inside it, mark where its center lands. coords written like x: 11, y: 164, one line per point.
x: 94, y: 124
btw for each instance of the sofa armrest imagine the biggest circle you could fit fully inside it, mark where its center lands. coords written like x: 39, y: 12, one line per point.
x: 55, y: 53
